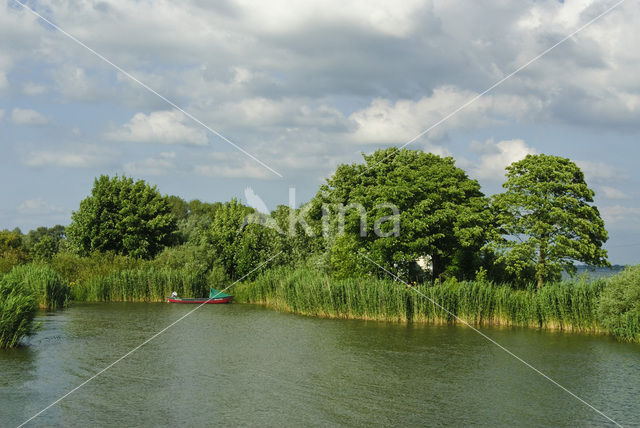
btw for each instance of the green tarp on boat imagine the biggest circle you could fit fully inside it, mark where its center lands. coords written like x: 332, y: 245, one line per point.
x: 217, y: 294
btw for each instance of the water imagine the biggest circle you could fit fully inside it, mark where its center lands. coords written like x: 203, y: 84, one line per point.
x: 243, y: 365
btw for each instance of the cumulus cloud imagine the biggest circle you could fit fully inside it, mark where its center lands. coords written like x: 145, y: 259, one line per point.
x: 496, y: 156
x: 160, y: 165
x: 621, y: 217
x: 27, y: 117
x: 612, y: 193
x: 161, y: 127
x: 79, y: 157
x: 600, y: 172
x: 38, y: 206
x: 32, y: 88
x: 231, y: 165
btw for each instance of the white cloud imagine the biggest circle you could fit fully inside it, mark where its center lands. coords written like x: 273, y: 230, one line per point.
x: 27, y: 117
x: 600, y: 172
x: 161, y: 165
x: 232, y: 165
x: 4, y: 83
x: 81, y: 157
x: 161, y: 127
x: 38, y: 207
x: 1, y: 114
x: 448, y: 108
x: 31, y: 88
x: 621, y: 217
x: 495, y: 157
x: 613, y: 193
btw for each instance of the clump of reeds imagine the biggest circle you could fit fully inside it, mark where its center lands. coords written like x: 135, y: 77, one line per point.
x: 147, y: 284
x: 18, y: 308
x: 49, y: 288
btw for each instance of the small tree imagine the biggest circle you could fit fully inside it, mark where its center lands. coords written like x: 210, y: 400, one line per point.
x: 547, y: 218
x: 122, y: 216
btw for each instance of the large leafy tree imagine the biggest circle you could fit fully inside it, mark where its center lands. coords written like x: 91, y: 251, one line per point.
x: 239, y: 247
x: 123, y: 216
x: 548, y: 218
x: 442, y: 212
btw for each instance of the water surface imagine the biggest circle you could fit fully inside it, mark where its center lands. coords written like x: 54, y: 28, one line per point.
x: 244, y: 365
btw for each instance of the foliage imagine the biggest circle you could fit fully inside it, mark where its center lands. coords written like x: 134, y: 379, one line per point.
x: 548, y: 219
x: 123, y: 216
x: 46, y: 285
x: 75, y: 269
x: 619, y: 309
x: 18, y: 308
x: 239, y: 247
x: 442, y: 212
x: 567, y: 305
x: 12, y: 250
x: 44, y: 242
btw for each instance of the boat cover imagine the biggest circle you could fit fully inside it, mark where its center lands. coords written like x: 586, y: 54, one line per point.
x: 217, y: 294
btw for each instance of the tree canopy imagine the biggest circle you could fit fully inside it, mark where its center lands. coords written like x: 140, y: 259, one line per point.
x: 441, y: 211
x: 548, y: 218
x: 123, y: 216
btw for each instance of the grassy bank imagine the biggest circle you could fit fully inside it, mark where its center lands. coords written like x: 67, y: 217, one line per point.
x: 566, y: 305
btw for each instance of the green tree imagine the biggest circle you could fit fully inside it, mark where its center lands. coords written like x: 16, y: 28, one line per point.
x: 442, y: 212
x: 124, y: 217
x: 12, y: 250
x: 44, y: 242
x: 548, y: 218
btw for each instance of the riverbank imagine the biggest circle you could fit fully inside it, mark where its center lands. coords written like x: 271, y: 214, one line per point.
x: 567, y: 306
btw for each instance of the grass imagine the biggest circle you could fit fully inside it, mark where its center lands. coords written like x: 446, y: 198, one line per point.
x: 566, y: 306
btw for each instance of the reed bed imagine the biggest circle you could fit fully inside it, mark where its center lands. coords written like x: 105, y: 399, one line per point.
x: 49, y: 288
x: 565, y: 306
x: 148, y: 284
x: 18, y: 307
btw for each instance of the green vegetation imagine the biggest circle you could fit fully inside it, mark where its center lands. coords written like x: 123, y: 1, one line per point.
x: 18, y: 308
x: 619, y: 310
x: 546, y: 219
x: 123, y: 216
x: 440, y: 212
x: 46, y: 285
x: 141, y: 285
x: 567, y: 306
x: 127, y: 242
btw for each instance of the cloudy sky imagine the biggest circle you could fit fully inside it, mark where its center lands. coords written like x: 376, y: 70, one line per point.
x: 273, y: 95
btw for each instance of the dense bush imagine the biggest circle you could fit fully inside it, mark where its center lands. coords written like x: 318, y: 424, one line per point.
x: 619, y: 309
x: 18, y: 308
x: 49, y: 288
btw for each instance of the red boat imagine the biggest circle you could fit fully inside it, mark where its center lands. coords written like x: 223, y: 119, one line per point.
x: 215, y: 296
x: 201, y: 300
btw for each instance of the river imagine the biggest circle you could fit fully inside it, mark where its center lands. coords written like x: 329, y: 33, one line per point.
x: 243, y: 365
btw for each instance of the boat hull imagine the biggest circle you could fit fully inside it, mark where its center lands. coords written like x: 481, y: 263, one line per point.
x: 202, y: 300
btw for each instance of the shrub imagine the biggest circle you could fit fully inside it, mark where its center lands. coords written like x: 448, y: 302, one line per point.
x: 18, y: 308
x: 619, y: 309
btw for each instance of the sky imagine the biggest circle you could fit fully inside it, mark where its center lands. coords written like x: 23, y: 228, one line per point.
x: 206, y: 99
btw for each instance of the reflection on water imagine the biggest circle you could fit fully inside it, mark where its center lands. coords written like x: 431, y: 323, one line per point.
x: 245, y: 365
